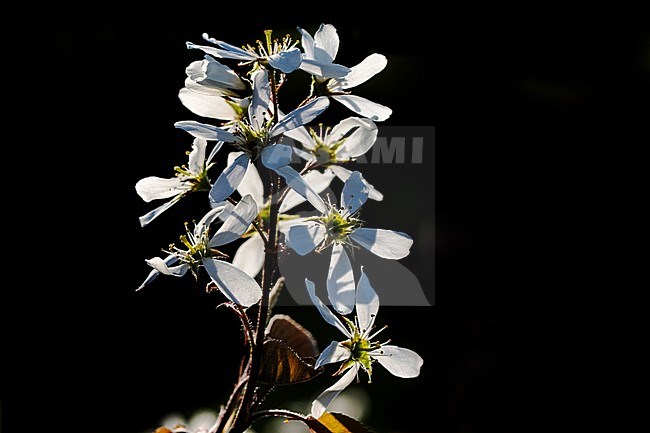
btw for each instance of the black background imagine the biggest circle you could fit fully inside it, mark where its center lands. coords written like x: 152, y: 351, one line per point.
x: 517, y: 104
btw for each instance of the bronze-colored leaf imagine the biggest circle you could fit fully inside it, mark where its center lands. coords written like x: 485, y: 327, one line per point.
x: 281, y: 365
x: 282, y: 327
x: 163, y: 430
x: 339, y: 423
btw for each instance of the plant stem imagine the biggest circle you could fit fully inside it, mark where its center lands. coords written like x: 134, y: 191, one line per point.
x: 243, y: 419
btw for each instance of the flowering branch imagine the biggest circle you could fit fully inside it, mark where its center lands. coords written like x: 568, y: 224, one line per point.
x: 247, y: 106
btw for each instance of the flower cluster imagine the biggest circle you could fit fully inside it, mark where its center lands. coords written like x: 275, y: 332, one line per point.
x: 243, y: 102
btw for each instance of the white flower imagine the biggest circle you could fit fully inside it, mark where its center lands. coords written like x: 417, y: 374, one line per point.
x: 282, y: 55
x: 359, y: 351
x: 324, y: 46
x: 348, y: 140
x: 200, y: 251
x: 190, y: 178
x: 320, y: 52
x: 253, y: 136
x: 340, y: 228
x: 201, y: 422
x: 210, y: 91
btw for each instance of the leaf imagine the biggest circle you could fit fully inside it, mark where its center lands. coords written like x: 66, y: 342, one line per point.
x: 281, y: 365
x: 284, y: 328
x: 339, y: 423
x: 162, y: 430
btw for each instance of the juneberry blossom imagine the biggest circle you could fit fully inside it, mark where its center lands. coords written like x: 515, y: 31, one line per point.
x: 282, y: 55
x: 340, y: 227
x: 190, y: 178
x: 199, y: 249
x: 359, y: 351
x: 324, y: 47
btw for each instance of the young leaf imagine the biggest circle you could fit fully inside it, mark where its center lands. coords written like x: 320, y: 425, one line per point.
x: 339, y: 423
x: 281, y: 365
x: 284, y: 328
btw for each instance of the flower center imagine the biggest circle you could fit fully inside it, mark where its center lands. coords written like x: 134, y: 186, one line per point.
x: 338, y: 225
x: 251, y: 139
x: 324, y: 152
x: 271, y: 47
x: 196, y: 249
x: 198, y: 181
x: 360, y: 348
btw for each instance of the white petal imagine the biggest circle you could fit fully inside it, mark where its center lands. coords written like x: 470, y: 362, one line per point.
x: 214, y: 107
x: 335, y: 352
x: 230, y: 179
x: 196, y: 162
x: 211, y: 72
x: 260, y: 109
x: 232, y: 48
x: 206, y: 132
x: 161, y: 266
x: 276, y: 156
x: 300, y: 116
x: 367, y: 304
x: 355, y: 193
x: 169, y: 261
x: 319, y: 406
x: 316, y: 180
x: 234, y: 283
x: 324, y: 311
x: 307, y: 43
x: 250, y: 255
x: 156, y: 188
x: 152, y: 215
x: 252, y: 183
x: 340, y: 281
x: 208, y: 219
x: 364, y: 107
x: 384, y: 243
x: 301, y: 135
x: 368, y: 68
x: 358, y: 142
x: 207, y: 89
x: 344, y: 174
x: 286, y: 61
x: 326, y: 43
x: 324, y: 69
x: 237, y: 223
x: 224, y: 54
x: 296, y: 182
x: 399, y: 361
x: 304, y: 238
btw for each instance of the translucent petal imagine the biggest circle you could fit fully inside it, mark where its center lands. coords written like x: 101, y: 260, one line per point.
x: 214, y: 107
x: 235, y: 284
x: 260, y: 109
x: 197, y: 156
x: 157, y: 188
x: 307, y: 43
x: 304, y: 238
x: 300, y: 116
x: 355, y: 193
x: 367, y: 304
x: 319, y: 406
x: 387, y: 244
x: 340, y: 281
x: 230, y: 179
x: 237, y: 223
x: 221, y: 53
x: 364, y: 107
x: 368, y: 68
x: 286, y: 61
x: 296, y: 182
x: 324, y: 311
x: 251, y: 183
x: 316, y: 180
x: 324, y: 69
x: 206, y: 132
x: 276, y: 156
x: 335, y: 352
x: 326, y: 43
x: 363, y: 136
x: 250, y: 255
x: 344, y: 174
x: 169, y: 261
x: 399, y: 361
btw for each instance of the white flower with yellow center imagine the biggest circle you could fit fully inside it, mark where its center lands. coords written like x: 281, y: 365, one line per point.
x: 324, y: 46
x: 199, y: 249
x: 360, y: 350
x: 340, y: 228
